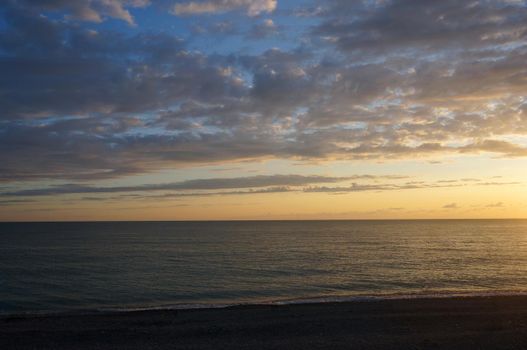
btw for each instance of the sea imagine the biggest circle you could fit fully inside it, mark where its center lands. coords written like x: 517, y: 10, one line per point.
x: 121, y: 266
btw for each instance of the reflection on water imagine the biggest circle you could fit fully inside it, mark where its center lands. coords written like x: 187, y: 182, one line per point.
x: 64, y: 266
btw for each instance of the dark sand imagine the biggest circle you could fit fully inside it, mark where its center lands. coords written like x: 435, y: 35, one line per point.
x: 458, y: 323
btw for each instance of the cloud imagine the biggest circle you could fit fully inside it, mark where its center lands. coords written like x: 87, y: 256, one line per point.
x: 260, y: 184
x: 370, y: 80
x: 495, y: 205
x: 411, y: 185
x: 264, y: 29
x: 498, y: 146
x: 9, y: 202
x: 400, y: 25
x: 451, y: 206
x: 253, y: 7
x: 88, y: 10
x: 196, y: 184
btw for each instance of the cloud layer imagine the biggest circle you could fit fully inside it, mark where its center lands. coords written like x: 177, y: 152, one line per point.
x: 261, y: 184
x: 369, y: 80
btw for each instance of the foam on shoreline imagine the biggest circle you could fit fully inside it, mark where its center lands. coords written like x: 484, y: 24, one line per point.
x: 277, y: 302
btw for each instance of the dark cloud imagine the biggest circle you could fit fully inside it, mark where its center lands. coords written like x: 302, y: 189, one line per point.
x: 196, y: 184
x: 97, y: 72
x: 9, y: 202
x: 86, y: 10
x: 410, y: 25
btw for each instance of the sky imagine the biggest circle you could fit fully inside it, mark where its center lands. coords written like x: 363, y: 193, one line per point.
x: 262, y: 109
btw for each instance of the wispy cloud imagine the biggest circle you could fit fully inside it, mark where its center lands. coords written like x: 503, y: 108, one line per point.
x: 262, y: 184
x: 252, y: 7
x: 196, y: 184
x: 356, y: 187
x: 495, y: 205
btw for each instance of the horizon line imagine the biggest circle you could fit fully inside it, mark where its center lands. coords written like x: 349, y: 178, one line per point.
x: 253, y: 220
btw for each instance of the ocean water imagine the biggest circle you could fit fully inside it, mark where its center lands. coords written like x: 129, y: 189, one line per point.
x: 53, y: 267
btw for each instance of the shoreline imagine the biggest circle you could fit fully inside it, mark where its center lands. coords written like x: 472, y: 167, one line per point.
x: 488, y: 322
x: 360, y: 298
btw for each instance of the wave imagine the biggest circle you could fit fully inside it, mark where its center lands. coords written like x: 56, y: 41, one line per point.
x: 277, y: 302
x: 398, y: 296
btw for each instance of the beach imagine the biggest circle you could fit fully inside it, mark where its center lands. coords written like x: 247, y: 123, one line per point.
x: 494, y: 322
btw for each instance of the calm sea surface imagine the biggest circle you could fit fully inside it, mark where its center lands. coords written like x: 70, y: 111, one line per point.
x: 81, y: 266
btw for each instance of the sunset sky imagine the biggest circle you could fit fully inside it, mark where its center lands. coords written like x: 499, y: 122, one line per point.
x: 262, y: 109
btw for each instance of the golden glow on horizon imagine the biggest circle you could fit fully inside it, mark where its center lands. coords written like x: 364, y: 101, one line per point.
x: 446, y: 203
